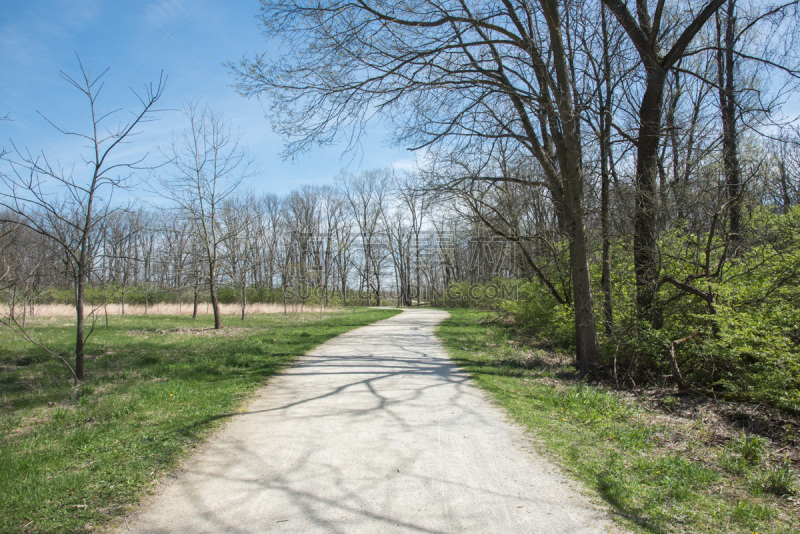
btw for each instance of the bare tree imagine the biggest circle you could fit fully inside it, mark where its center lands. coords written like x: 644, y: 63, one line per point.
x: 417, y: 204
x: 67, y: 204
x: 122, y: 229
x: 367, y: 195
x: 268, y: 239
x: 456, y: 76
x: 240, y: 216
x: 399, y: 240
x: 208, y: 163
x: 501, y: 206
x: 23, y: 266
x: 754, y: 70
x: 333, y: 224
x: 726, y: 41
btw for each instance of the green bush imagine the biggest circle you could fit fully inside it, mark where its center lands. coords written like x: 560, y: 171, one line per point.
x: 755, y: 340
x: 536, y: 308
x: 748, y: 346
x: 745, y: 345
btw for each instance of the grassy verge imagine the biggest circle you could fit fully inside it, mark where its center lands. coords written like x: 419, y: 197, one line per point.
x: 71, y: 459
x: 658, y: 473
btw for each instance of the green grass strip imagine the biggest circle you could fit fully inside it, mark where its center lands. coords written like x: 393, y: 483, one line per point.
x: 657, y: 475
x: 73, y: 459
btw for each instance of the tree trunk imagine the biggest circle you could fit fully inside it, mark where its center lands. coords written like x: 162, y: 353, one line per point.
x: 368, y: 282
x: 196, y: 300
x: 244, y: 296
x: 727, y: 98
x: 585, y: 330
x: 377, y: 289
x: 645, y: 219
x: 786, y: 197
x: 12, y: 307
x: 79, y: 323
x: 212, y: 283
x: 605, y: 155
x: 408, y: 279
x: 605, y: 277
x: 416, y: 268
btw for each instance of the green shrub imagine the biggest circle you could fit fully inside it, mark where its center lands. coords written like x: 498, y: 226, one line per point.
x: 534, y: 307
x: 746, y: 346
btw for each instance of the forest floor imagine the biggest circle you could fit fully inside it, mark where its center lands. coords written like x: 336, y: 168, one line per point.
x: 666, y: 461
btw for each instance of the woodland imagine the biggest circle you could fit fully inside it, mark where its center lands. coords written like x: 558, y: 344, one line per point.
x: 620, y: 179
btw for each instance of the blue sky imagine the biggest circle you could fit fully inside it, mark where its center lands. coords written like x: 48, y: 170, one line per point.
x: 189, y: 39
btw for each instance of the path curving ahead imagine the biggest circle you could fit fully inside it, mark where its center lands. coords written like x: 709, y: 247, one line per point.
x: 373, y: 431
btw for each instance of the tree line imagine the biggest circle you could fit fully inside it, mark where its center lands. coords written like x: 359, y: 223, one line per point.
x: 363, y: 241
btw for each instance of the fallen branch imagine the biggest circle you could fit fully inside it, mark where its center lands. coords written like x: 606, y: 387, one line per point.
x: 673, y: 361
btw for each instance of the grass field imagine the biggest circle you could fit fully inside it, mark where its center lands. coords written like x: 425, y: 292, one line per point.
x: 659, y: 473
x: 74, y: 458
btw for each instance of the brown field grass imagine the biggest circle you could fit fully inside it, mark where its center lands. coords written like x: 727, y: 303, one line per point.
x: 163, y: 308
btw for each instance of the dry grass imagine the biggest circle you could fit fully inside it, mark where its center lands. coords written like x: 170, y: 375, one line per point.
x: 65, y: 310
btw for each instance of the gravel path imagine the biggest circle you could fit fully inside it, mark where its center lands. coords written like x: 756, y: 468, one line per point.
x: 373, y: 431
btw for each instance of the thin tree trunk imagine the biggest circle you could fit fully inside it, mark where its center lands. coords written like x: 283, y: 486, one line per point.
x: 727, y: 97
x: 196, y: 300
x: 377, y: 289
x: 416, y: 268
x: 79, y: 323
x: 244, y: 296
x: 605, y: 155
x: 12, y: 308
x: 786, y: 198
x: 212, y: 282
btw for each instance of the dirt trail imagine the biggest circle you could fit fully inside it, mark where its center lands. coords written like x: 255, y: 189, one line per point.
x: 373, y: 431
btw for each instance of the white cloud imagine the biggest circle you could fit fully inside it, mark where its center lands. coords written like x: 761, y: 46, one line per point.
x: 405, y: 164
x: 421, y: 159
